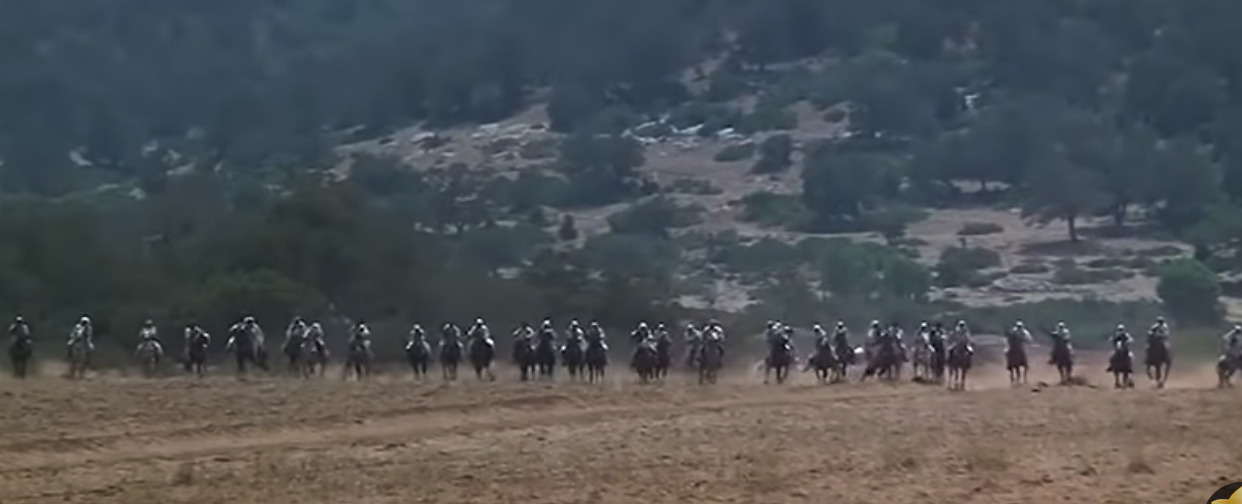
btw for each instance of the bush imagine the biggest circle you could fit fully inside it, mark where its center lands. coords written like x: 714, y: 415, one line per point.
x: 1160, y: 251
x: 735, y: 152
x: 1190, y: 292
x: 544, y: 148
x: 776, y: 210
x: 959, y: 266
x: 980, y: 228
x: 568, y: 231
x: 774, y: 155
x: 654, y: 217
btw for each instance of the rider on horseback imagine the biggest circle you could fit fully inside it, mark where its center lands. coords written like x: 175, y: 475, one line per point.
x: 417, y: 334
x: 1159, y: 329
x: 480, y: 330
x: 961, y: 335
x: 574, y: 331
x: 1062, y: 334
x: 295, y: 332
x: 641, y: 333
x: 1231, y: 345
x: 19, y: 329
x: 694, y: 339
x: 148, y: 335
x: 256, y: 333
x: 82, y: 331
x: 873, y: 334
x: 1122, y: 337
x: 841, y: 335
x: 1021, y: 332
x: 595, y: 335
x: 361, y: 334
x: 524, y: 332
x: 822, y: 341
x: 314, y: 334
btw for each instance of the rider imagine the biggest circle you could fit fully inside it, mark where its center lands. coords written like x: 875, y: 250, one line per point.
x: 295, y: 331
x: 416, y: 334
x: 1121, y: 336
x: 1021, y: 332
x: 249, y: 324
x: 547, y: 331
x: 642, y: 332
x: 694, y: 338
x: 479, y: 329
x: 1231, y: 345
x: 314, y: 333
x: 1159, y: 330
x: 361, y: 334
x: 148, y: 334
x: 822, y: 340
x: 873, y: 334
x: 19, y: 329
x: 524, y: 332
x: 84, y: 331
x: 841, y: 335
x: 574, y: 332
x: 595, y: 334
x: 1062, y: 333
x: 961, y: 335
x: 935, y: 337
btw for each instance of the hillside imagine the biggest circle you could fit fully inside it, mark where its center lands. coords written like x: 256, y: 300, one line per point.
x: 423, y: 161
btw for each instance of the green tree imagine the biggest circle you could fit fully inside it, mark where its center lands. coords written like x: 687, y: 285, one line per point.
x: 1190, y: 292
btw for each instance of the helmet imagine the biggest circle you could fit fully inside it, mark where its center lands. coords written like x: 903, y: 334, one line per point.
x: 840, y: 323
x: 642, y: 325
x: 478, y: 321
x: 1160, y: 319
x: 923, y: 324
x: 547, y: 322
x: 594, y: 324
x: 817, y: 327
x: 875, y: 323
x: 148, y: 323
x: 316, y: 326
x: 1018, y: 324
x: 417, y: 327
x: 249, y: 319
x: 1060, y: 325
x: 1121, y: 327
x: 19, y: 319
x: 85, y: 320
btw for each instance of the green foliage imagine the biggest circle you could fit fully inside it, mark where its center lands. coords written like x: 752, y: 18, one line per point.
x: 689, y: 185
x: 1190, y: 292
x: 774, y: 210
x: 567, y: 230
x: 774, y: 155
x: 960, y: 266
x: 735, y: 152
x: 654, y: 217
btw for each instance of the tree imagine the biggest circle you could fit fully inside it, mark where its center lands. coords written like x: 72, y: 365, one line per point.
x: 774, y: 154
x: 1061, y: 190
x: 567, y: 231
x: 839, y: 186
x: 1190, y: 292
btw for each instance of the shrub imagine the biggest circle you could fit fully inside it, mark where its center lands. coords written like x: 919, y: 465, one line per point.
x: 735, y: 152
x: 1190, y: 292
x: 774, y: 155
x: 980, y: 228
x: 959, y: 266
x: 688, y: 185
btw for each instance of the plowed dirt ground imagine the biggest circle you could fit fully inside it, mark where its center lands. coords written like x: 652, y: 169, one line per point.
x: 390, y: 440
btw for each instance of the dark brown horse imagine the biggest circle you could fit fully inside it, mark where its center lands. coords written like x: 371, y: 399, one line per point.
x: 1158, y: 359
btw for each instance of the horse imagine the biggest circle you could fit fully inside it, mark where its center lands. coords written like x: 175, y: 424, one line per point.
x: 1062, y: 357
x: 596, y: 358
x: 196, y: 353
x: 846, y: 355
x: 241, y: 343
x: 21, y: 351
x: 921, y: 363
x: 524, y: 356
x: 645, y: 360
x: 1121, y: 364
x: 573, y: 355
x: 418, y: 353
x: 357, y: 360
x: 149, y: 355
x: 450, y: 351
x: 1158, y: 359
x: 885, y: 360
x: 939, y: 354
x: 823, y: 360
x: 780, y: 357
x: 482, y: 351
x: 293, y: 351
x: 1015, y: 357
x: 79, y: 355
x: 1226, y: 367
x: 312, y: 355
x: 545, y: 354
x: 664, y: 355
x: 710, y: 359
x: 959, y: 363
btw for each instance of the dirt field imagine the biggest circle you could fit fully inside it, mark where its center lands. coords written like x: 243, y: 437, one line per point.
x: 129, y: 440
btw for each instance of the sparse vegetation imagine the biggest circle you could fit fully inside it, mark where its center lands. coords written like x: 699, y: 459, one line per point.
x: 735, y: 152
